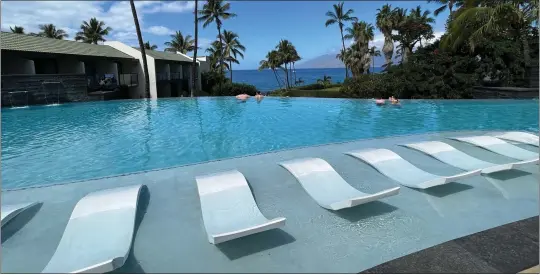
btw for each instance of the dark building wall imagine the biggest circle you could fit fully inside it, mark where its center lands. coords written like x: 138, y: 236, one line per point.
x: 43, y: 89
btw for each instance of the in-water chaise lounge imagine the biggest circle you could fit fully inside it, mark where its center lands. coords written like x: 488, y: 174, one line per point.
x: 228, y: 208
x: 522, y: 137
x: 452, y: 156
x: 327, y: 187
x: 500, y: 147
x: 99, y: 233
x: 11, y: 211
x: 393, y: 166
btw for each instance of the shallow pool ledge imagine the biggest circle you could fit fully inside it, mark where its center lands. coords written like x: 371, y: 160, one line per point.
x: 170, y: 235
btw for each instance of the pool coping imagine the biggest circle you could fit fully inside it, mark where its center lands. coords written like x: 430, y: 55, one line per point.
x: 250, y: 155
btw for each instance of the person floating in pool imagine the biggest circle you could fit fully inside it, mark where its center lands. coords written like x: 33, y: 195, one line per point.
x: 380, y: 101
x: 242, y: 97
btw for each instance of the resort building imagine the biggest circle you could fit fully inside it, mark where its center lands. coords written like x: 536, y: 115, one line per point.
x: 38, y: 70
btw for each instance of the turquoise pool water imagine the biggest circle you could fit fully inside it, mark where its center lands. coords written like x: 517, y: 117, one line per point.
x: 45, y: 145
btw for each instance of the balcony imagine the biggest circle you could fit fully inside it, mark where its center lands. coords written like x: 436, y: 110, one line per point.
x: 129, y: 80
x: 162, y: 76
x: 176, y: 76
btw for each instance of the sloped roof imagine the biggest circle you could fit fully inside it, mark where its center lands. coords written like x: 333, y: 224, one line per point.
x: 167, y: 56
x: 29, y: 43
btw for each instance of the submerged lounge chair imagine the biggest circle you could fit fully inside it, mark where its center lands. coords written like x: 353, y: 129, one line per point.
x: 228, y: 208
x: 393, y: 166
x: 500, y: 147
x: 522, y: 137
x: 99, y: 233
x: 11, y: 211
x: 450, y: 155
x: 327, y: 187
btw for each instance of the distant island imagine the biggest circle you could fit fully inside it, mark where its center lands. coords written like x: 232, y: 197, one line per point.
x: 330, y: 61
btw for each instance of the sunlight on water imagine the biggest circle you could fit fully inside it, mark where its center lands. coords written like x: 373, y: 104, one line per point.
x: 43, y: 145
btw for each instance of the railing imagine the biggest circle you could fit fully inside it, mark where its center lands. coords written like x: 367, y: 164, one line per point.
x: 129, y: 80
x: 162, y: 76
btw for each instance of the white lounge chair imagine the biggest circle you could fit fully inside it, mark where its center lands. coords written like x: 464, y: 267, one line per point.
x: 522, y: 137
x: 327, y: 187
x: 500, y: 147
x: 11, y: 211
x: 393, y: 166
x: 99, y: 233
x: 228, y: 208
x: 450, y: 155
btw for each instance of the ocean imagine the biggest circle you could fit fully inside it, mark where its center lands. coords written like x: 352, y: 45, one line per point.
x: 266, y: 81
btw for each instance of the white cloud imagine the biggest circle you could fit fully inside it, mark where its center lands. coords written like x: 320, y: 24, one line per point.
x: 204, y: 43
x: 67, y: 15
x: 180, y: 6
x: 159, y: 30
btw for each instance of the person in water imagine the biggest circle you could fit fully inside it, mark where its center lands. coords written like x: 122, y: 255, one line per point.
x: 242, y: 97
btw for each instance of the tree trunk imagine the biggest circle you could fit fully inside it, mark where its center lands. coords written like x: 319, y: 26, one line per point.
x: 388, y: 50
x: 286, y: 76
x: 220, y: 57
x: 294, y: 70
x: 343, y: 43
x: 143, y: 52
x: 230, y: 69
x: 526, y: 50
x: 194, y: 68
x: 405, y: 54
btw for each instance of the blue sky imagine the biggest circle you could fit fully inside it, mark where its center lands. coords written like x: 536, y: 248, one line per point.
x: 260, y: 24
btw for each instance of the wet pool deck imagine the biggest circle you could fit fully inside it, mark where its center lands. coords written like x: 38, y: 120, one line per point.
x: 170, y: 236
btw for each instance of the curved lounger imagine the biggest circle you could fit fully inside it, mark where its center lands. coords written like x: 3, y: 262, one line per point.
x: 228, y: 208
x: 500, y: 147
x: 11, y: 211
x: 393, y: 166
x: 327, y: 187
x: 450, y: 155
x: 522, y: 137
x: 99, y: 233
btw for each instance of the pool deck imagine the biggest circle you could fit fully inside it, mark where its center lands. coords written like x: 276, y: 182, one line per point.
x: 170, y: 235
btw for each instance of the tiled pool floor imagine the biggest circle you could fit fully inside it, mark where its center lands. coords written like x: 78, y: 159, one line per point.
x: 170, y: 236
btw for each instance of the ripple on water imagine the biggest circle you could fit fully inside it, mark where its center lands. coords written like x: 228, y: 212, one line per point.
x: 44, y: 145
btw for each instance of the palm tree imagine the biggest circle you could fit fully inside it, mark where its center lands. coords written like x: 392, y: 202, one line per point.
x: 214, y: 53
x: 325, y: 81
x: 374, y: 52
x: 286, y: 51
x: 149, y: 47
x: 474, y: 24
x: 180, y: 43
x: 93, y: 31
x: 385, y: 21
x: 141, y: 46
x: 194, y: 67
x: 295, y: 58
x: 50, y: 31
x: 412, y: 28
x: 17, y: 29
x: 357, y: 55
x: 337, y: 16
x: 216, y: 11
x: 232, y: 48
x: 271, y: 62
x: 450, y: 4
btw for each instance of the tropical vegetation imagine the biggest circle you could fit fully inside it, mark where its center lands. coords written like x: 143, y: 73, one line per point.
x: 149, y: 46
x: 92, y: 31
x: 17, y: 29
x: 180, y: 43
x: 50, y: 31
x: 340, y: 17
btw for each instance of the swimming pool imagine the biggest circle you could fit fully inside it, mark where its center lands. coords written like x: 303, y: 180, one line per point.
x: 45, y: 145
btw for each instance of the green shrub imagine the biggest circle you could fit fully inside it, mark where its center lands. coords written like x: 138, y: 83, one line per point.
x: 314, y: 86
x: 233, y: 89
